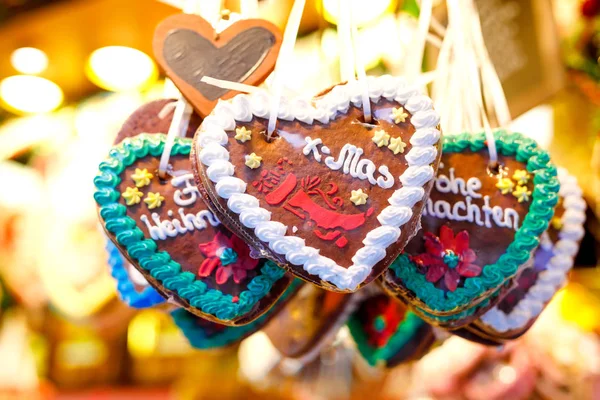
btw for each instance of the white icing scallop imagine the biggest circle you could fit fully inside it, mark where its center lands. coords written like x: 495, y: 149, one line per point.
x: 423, y: 153
x: 551, y: 279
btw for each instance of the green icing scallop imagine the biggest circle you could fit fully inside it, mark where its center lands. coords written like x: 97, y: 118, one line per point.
x: 144, y: 250
x: 526, y: 240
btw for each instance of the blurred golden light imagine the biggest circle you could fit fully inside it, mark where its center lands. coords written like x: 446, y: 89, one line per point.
x: 30, y: 94
x: 363, y: 12
x: 29, y: 60
x: 119, y: 68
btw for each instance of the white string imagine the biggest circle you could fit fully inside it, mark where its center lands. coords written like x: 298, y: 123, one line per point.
x: 361, y: 74
x: 414, y: 64
x: 344, y: 31
x: 285, y: 55
x: 466, y: 84
x: 249, y: 8
x: 229, y: 85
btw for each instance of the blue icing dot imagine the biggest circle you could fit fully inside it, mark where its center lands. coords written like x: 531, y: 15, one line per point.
x: 451, y: 259
x: 228, y: 256
x: 379, y: 323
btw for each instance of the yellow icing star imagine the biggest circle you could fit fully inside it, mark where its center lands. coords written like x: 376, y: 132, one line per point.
x: 359, y: 197
x: 154, y: 200
x: 521, y: 176
x: 380, y: 138
x: 242, y: 134
x: 132, y: 195
x: 556, y: 223
x: 505, y: 185
x: 253, y: 161
x: 398, y: 115
x: 397, y: 145
x: 141, y: 177
x: 521, y: 193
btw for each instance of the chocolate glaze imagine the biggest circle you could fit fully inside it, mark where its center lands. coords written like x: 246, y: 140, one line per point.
x: 488, y: 243
x: 192, y: 56
x: 184, y: 247
x: 146, y: 120
x: 309, y: 317
x: 288, y: 141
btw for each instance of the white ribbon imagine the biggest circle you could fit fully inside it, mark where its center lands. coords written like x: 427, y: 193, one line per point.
x: 466, y: 86
x: 285, y: 55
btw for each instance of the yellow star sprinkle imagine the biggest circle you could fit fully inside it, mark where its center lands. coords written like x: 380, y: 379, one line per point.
x: 505, y: 185
x: 521, y: 176
x: 242, y: 134
x: 556, y: 223
x: 141, y: 177
x: 253, y: 161
x: 154, y: 200
x: 398, y: 115
x: 359, y: 197
x: 397, y: 145
x: 521, y: 193
x: 380, y: 138
x: 132, y: 196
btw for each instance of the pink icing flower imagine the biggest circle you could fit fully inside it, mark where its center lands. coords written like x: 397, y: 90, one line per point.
x: 449, y: 257
x: 230, y: 256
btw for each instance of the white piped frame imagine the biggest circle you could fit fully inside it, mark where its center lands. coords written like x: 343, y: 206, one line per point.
x: 211, y: 151
x: 553, y: 277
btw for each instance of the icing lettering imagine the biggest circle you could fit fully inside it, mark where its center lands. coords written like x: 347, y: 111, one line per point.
x: 349, y: 161
x: 467, y: 210
x: 185, y: 221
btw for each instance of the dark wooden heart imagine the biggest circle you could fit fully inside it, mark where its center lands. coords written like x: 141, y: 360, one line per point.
x: 310, y: 321
x: 178, y: 245
x: 188, y: 48
x: 301, y: 204
x: 476, y: 239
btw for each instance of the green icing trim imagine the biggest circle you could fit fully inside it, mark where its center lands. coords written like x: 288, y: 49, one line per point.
x: 230, y: 334
x: 159, y: 264
x: 405, y: 332
x: 541, y: 210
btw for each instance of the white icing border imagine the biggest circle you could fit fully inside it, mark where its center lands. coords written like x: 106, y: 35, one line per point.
x: 553, y: 278
x: 211, y: 151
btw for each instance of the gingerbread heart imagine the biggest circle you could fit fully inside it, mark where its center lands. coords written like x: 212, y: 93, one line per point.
x: 132, y: 287
x: 330, y: 198
x: 164, y: 229
x: 517, y: 312
x: 188, y: 48
x: 310, y: 321
x: 204, y: 335
x: 154, y: 117
x: 387, y: 333
x: 480, y: 228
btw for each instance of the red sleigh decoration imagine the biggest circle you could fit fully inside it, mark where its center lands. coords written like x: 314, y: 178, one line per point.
x: 279, y: 185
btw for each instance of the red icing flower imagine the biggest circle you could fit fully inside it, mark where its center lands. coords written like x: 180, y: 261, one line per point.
x: 383, y: 315
x: 230, y: 256
x: 449, y: 257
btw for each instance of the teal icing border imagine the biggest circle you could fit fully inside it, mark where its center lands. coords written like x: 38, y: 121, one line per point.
x: 541, y: 210
x: 198, y: 339
x: 405, y: 332
x: 159, y: 263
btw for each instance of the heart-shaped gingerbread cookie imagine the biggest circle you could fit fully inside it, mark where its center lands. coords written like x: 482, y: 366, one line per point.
x: 181, y: 248
x: 205, y: 335
x: 480, y: 228
x: 515, y: 314
x: 330, y: 198
x: 387, y: 333
x: 188, y: 48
